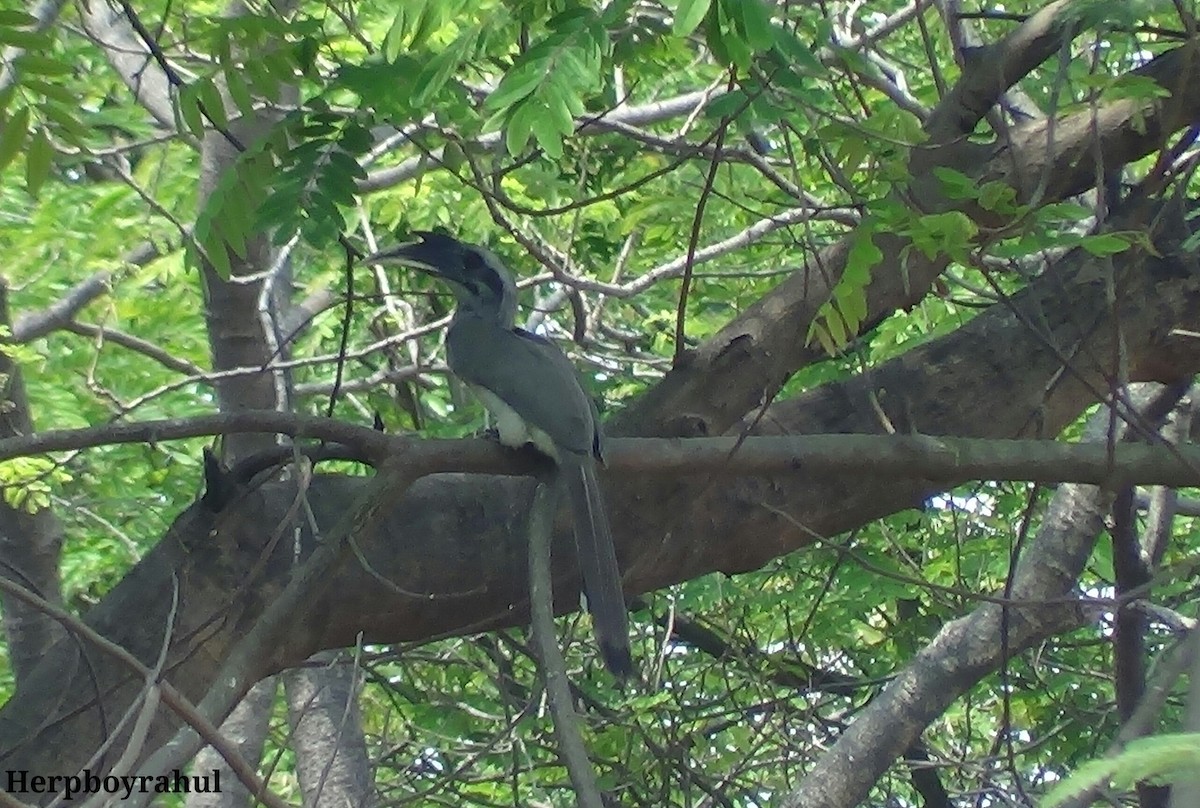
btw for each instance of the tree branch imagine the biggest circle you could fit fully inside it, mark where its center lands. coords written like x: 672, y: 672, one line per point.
x: 131, y: 58
x: 935, y: 459
x: 643, y: 114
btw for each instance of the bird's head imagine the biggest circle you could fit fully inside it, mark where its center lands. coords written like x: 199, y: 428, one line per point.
x: 480, y: 282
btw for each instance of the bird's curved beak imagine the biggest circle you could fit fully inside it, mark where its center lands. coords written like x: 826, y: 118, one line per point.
x: 418, y: 254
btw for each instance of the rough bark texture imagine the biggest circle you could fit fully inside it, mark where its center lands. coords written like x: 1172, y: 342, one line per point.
x: 30, y: 543
x: 246, y: 727
x: 332, y: 761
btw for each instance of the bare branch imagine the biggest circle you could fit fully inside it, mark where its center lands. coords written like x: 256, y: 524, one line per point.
x: 29, y: 327
x: 104, y: 334
x: 632, y: 116
x: 59, y: 314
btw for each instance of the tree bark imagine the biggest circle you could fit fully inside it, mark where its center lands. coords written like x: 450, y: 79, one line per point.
x: 30, y: 542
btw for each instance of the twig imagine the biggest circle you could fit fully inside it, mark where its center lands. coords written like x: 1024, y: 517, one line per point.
x: 554, y: 667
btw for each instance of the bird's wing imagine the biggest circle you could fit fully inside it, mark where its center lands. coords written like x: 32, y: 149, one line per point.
x: 529, y: 374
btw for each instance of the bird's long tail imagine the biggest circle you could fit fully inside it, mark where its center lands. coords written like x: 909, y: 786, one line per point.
x: 598, y: 562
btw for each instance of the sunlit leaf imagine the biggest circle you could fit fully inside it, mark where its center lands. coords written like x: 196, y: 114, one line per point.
x: 12, y: 18
x: 393, y: 41
x: 688, y: 14
x: 516, y: 85
x: 518, y: 129
x: 548, y: 135
x: 189, y: 109
x: 756, y: 24
x: 12, y: 135
x: 211, y: 105
x: 38, y: 161
x: 1105, y: 244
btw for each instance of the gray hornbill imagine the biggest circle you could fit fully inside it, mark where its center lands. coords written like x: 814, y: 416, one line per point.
x: 534, y: 396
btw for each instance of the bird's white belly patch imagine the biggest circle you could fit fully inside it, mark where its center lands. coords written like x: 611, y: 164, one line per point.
x: 511, y: 428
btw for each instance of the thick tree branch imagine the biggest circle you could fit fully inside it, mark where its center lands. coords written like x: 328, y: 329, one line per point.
x: 936, y: 459
x: 30, y: 543
x: 131, y: 58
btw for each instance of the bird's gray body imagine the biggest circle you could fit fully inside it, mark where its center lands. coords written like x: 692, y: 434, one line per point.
x: 555, y: 416
x: 533, y: 393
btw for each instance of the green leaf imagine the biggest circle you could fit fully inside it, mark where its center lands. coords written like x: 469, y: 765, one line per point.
x: 279, y: 65
x: 688, y: 15
x: 729, y: 24
x: 189, y: 109
x: 952, y: 233
x: 955, y: 184
x: 30, y: 40
x: 1104, y: 244
x: 12, y: 136
x: 1000, y: 197
x: 517, y: 84
x: 41, y: 65
x: 38, y: 161
x: 213, y: 105
x: 304, y: 53
x: 264, y: 82
x: 438, y: 70
x: 16, y: 19
x: 518, y: 129
x: 756, y: 25
x: 393, y: 40
x: 205, y: 246
x: 714, y: 38
x: 57, y: 91
x: 239, y: 92
x: 1069, y: 212
x: 557, y: 102
x: 231, y: 225
x: 222, y: 48
x: 218, y: 257
x: 548, y: 135
x: 799, y: 55
x: 840, y: 317
x: 68, y: 127
x: 347, y: 165
x: 430, y: 18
